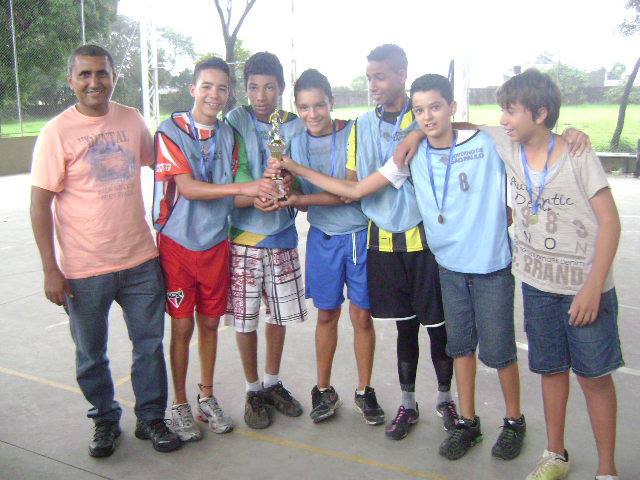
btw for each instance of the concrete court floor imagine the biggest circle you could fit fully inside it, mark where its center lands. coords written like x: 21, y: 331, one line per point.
x: 44, y: 434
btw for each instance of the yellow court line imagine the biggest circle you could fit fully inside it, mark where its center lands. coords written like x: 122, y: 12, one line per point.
x: 340, y: 455
x: 260, y: 436
x: 127, y: 378
x: 54, y: 384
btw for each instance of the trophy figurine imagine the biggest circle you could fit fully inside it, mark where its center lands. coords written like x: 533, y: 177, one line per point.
x: 276, y: 148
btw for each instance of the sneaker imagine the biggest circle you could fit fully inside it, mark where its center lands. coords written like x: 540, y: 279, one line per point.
x: 257, y: 413
x: 209, y: 411
x: 551, y: 466
x: 324, y: 404
x: 163, y: 439
x: 447, y: 411
x: 465, y: 435
x: 104, y: 442
x: 367, y: 405
x: 509, y: 442
x: 183, y: 424
x: 280, y: 398
x: 400, y: 426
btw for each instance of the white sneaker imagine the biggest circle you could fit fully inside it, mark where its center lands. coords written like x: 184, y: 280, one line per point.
x: 551, y: 466
x: 210, y: 411
x: 183, y: 423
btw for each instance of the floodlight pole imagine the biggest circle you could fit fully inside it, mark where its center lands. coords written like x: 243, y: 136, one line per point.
x: 149, y: 72
x: 15, y: 66
x: 84, y: 40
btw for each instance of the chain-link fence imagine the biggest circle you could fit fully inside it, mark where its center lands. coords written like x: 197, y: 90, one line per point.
x: 36, y: 37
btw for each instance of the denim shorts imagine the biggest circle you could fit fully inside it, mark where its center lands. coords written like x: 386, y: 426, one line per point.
x: 478, y: 312
x: 555, y: 346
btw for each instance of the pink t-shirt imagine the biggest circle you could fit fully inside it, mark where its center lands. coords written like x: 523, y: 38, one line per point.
x: 93, y: 166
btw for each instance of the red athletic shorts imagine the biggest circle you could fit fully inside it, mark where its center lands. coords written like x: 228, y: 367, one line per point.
x: 194, y: 279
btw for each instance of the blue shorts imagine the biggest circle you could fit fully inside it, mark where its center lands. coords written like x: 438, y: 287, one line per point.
x: 555, y: 346
x: 332, y: 261
x: 478, y: 312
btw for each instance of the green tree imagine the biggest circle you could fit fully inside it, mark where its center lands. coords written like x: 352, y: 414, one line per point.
x: 629, y: 27
x: 616, y: 72
x: 571, y: 81
x: 359, y: 83
x: 46, y: 32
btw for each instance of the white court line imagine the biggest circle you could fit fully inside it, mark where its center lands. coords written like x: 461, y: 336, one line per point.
x: 629, y: 216
x: 629, y: 306
x: 66, y: 322
x: 627, y: 370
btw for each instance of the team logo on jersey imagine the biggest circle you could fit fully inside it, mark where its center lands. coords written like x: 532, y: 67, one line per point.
x: 175, y: 298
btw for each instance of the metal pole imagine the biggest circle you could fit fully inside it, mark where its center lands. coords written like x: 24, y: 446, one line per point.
x: 15, y: 66
x: 84, y: 40
x: 144, y: 64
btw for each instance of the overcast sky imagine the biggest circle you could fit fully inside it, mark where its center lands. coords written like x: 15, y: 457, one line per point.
x: 335, y: 36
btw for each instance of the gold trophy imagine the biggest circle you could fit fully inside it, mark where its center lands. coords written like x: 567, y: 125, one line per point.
x: 276, y: 148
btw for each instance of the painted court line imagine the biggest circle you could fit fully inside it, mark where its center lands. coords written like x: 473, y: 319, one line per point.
x: 260, y: 436
x: 626, y: 370
x: 66, y: 322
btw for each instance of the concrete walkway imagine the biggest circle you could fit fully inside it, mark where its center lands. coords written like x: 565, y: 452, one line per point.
x: 44, y: 434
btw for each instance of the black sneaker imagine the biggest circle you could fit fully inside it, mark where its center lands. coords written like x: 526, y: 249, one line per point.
x: 400, y: 426
x: 324, y: 404
x: 163, y: 439
x: 280, y: 398
x: 447, y: 411
x: 104, y: 441
x: 257, y: 413
x: 367, y: 405
x: 465, y: 435
x: 509, y: 442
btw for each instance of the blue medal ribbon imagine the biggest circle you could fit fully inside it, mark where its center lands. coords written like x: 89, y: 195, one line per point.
x: 333, y: 148
x: 382, y: 159
x: 543, y: 176
x: 263, y: 151
x: 427, y: 149
x: 206, y: 164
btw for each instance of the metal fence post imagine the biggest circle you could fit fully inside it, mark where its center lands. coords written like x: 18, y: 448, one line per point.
x: 15, y: 66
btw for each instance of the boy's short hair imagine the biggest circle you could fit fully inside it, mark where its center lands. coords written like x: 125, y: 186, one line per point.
x: 312, y: 78
x: 390, y: 53
x: 533, y: 90
x: 210, y: 63
x: 89, y: 50
x: 432, y: 81
x: 264, y: 63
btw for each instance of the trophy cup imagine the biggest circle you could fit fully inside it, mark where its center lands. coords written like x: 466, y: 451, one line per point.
x: 276, y: 148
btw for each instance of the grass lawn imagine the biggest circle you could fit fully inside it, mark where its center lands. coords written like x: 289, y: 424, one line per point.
x: 598, y: 121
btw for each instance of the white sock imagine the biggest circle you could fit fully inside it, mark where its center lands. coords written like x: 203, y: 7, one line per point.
x: 409, y: 400
x: 360, y: 392
x: 253, y: 386
x: 443, y: 397
x: 270, y: 380
x: 606, y: 477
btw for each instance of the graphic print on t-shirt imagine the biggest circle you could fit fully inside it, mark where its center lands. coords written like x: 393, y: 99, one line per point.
x: 565, y: 242
x: 110, y: 162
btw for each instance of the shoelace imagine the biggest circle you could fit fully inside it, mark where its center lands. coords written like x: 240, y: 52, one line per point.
x: 283, y: 391
x: 370, y: 399
x: 543, y: 465
x: 401, y: 413
x: 256, y: 402
x: 450, y: 408
x: 159, y: 427
x: 184, y: 417
x: 212, y: 402
x: 507, y: 436
x: 101, y: 430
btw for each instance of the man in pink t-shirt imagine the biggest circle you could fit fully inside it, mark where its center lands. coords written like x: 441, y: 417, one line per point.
x: 86, y: 163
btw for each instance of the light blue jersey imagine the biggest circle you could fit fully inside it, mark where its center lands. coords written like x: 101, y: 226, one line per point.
x: 315, y: 153
x: 392, y: 210
x: 473, y: 237
x: 256, y: 137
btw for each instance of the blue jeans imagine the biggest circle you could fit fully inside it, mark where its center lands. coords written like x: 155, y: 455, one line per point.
x: 478, y: 310
x: 140, y: 293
